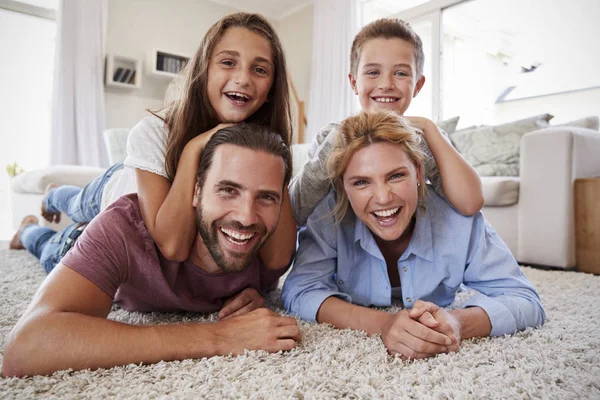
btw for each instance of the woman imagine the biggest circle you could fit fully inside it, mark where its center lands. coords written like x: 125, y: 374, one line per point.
x: 399, y: 241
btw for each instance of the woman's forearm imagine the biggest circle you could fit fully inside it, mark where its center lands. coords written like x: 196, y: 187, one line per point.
x: 344, y: 315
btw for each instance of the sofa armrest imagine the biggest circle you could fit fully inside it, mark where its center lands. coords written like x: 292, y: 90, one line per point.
x: 551, y: 159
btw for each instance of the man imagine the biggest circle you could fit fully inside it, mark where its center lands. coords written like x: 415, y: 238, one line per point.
x: 241, y: 177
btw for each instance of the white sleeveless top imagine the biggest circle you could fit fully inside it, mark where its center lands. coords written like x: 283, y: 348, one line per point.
x: 146, y: 150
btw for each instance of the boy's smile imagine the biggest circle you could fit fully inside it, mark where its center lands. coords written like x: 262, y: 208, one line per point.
x: 386, y: 75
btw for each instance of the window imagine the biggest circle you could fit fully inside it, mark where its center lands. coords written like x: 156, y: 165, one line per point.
x: 26, y: 75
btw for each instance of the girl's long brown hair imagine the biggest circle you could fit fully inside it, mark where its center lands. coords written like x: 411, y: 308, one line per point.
x: 191, y: 114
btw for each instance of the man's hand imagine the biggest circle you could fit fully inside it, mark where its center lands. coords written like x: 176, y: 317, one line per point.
x: 410, y: 338
x: 260, y: 329
x: 444, y: 322
x: 245, y: 301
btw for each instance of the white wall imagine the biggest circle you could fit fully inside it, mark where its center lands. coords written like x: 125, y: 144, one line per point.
x: 295, y: 31
x: 136, y: 26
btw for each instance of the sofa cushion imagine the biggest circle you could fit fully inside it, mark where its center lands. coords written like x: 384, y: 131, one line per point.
x: 494, y: 150
x: 449, y: 125
x: 500, y: 190
x: 36, y: 181
x: 591, y: 122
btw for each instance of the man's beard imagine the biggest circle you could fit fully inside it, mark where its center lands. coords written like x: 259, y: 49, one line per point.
x: 236, y: 262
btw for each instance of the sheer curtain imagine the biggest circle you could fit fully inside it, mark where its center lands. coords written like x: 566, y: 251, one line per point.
x: 331, y: 98
x: 78, y: 95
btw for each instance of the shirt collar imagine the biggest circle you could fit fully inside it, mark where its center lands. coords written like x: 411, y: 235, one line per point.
x: 421, y: 243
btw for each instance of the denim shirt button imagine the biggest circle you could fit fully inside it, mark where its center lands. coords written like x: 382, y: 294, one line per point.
x: 404, y: 269
x: 341, y: 282
x: 408, y: 300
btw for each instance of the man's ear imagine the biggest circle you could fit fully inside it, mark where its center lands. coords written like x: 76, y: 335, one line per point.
x: 352, y: 80
x: 196, y: 199
x: 419, y: 85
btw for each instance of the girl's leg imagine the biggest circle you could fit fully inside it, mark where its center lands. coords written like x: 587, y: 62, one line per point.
x: 55, y: 248
x: 81, y: 205
x: 35, y: 238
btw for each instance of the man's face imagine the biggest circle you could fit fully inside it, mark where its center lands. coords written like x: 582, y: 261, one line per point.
x: 239, y: 204
x: 386, y: 77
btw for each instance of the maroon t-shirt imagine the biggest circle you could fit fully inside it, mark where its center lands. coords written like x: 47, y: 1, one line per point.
x: 117, y: 253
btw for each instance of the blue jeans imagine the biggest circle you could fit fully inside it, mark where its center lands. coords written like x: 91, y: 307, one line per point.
x: 81, y: 205
x: 46, y: 244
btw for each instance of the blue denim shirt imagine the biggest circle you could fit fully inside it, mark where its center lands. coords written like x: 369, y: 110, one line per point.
x: 446, y: 250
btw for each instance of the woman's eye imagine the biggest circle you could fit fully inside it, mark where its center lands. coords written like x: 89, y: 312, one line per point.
x: 397, y: 176
x: 359, y: 182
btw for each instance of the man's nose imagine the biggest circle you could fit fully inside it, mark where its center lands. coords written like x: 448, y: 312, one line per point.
x: 246, y: 213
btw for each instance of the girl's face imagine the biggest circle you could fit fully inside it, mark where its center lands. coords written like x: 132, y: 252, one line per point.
x: 240, y: 74
x: 381, y: 185
x: 386, y: 76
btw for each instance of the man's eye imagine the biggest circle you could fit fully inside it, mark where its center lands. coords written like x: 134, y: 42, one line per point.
x: 269, y: 198
x: 227, y: 190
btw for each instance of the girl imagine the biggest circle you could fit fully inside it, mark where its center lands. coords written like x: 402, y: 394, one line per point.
x: 379, y: 237
x: 237, y: 74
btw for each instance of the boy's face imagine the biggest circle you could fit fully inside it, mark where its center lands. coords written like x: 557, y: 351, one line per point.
x: 386, y: 76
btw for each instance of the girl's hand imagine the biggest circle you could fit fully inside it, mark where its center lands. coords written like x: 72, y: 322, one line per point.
x: 203, y: 138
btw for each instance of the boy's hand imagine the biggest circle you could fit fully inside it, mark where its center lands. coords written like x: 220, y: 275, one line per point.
x: 412, y: 339
x: 444, y: 322
x: 425, y: 125
x: 245, y: 301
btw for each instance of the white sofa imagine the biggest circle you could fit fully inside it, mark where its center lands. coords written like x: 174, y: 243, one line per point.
x: 533, y: 213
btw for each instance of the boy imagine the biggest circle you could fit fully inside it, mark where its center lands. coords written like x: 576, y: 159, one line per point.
x: 386, y: 72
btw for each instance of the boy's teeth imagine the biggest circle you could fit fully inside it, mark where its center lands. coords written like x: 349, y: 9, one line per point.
x: 385, y: 99
x: 386, y: 213
x: 237, y: 235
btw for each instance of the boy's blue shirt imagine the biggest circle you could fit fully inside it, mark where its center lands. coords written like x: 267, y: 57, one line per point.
x: 446, y: 250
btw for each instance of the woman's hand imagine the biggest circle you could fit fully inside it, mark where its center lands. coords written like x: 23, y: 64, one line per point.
x: 443, y: 321
x: 411, y: 339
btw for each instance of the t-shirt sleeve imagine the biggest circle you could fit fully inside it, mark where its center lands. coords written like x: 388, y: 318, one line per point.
x: 147, y: 146
x: 431, y: 169
x: 312, y: 184
x: 100, y: 254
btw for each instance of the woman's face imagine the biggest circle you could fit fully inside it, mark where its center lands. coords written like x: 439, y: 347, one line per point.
x: 381, y: 185
x: 240, y: 74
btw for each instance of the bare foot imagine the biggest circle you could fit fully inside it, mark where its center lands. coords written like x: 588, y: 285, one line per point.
x: 49, y: 216
x: 15, y: 243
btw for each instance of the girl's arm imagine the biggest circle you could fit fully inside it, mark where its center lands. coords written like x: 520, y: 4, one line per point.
x: 278, y: 250
x: 459, y: 181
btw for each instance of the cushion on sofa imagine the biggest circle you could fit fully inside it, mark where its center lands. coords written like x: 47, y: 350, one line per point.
x: 494, y: 150
x: 449, y: 125
x: 500, y: 190
x: 36, y: 181
x: 591, y: 122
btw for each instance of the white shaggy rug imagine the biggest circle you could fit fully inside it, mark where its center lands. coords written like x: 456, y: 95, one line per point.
x: 559, y: 361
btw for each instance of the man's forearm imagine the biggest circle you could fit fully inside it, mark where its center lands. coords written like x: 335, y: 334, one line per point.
x: 47, y: 342
x: 474, y: 322
x: 344, y: 315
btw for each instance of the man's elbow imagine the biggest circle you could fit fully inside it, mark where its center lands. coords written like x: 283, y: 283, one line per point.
x: 20, y: 351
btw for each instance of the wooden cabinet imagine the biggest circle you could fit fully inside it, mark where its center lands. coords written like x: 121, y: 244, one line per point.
x: 587, y: 224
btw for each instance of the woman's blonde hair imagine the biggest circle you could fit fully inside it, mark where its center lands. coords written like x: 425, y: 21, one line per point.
x: 363, y: 130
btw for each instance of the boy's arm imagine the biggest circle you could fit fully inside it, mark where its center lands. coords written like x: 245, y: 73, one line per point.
x: 312, y: 183
x: 66, y: 327
x: 451, y: 172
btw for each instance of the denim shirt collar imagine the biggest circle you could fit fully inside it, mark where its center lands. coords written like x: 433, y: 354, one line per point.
x: 421, y: 243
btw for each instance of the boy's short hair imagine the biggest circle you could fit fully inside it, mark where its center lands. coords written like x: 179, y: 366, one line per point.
x: 387, y: 28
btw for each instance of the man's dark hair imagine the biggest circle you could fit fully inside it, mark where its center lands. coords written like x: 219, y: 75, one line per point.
x: 250, y: 136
